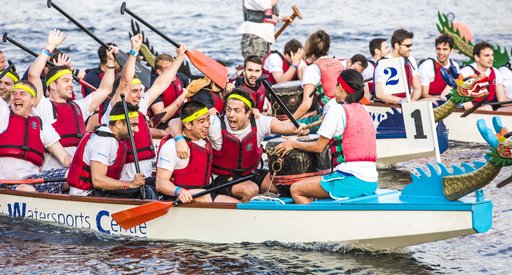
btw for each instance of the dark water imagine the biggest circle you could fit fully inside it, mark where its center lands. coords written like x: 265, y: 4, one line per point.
x: 209, y: 26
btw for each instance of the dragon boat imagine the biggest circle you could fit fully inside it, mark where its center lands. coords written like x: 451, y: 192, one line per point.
x: 434, y: 206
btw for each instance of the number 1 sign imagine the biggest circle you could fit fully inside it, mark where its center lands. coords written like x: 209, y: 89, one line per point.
x: 394, y: 79
x: 420, y: 125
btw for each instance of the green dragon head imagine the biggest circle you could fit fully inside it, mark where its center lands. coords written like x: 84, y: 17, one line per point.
x: 466, y: 88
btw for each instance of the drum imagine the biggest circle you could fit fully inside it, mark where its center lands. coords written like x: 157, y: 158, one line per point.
x: 295, y: 165
x: 291, y: 94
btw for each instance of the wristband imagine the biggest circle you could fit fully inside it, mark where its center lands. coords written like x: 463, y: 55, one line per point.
x: 132, y: 52
x: 177, y: 191
x: 295, y: 66
x: 47, y: 52
x: 180, y: 137
x: 110, y: 67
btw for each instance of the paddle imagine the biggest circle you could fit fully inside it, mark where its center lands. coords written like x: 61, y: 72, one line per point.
x: 504, y: 182
x: 217, y: 72
x: 6, y: 70
x: 296, y: 13
x: 269, y: 89
x: 150, y: 211
x: 132, y: 143
x: 6, y: 38
x: 31, y: 181
x: 142, y: 72
x: 468, y: 112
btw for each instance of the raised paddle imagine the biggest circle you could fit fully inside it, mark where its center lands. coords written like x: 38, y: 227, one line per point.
x: 132, y: 143
x: 217, y: 72
x: 31, y: 181
x: 6, y: 38
x: 296, y: 13
x: 150, y: 211
x: 468, y: 112
x: 269, y: 89
x: 504, y: 182
x: 6, y: 70
x: 141, y: 72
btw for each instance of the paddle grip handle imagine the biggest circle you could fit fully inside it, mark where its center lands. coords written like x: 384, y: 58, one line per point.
x: 280, y: 102
x: 202, y: 193
x: 125, y: 9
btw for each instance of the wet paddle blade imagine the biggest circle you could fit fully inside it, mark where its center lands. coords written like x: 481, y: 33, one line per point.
x: 141, y: 72
x: 209, y: 67
x: 141, y: 214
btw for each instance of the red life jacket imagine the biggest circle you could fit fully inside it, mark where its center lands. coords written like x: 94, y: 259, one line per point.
x: 22, y: 139
x: 198, y: 172
x: 257, y: 95
x: 371, y: 84
x: 172, y: 92
x: 408, y: 74
x: 492, y: 86
x: 80, y: 173
x: 286, y: 66
x: 247, y: 152
x: 69, y: 122
x: 217, y: 100
x: 437, y: 85
x: 143, y: 142
x: 330, y: 69
x: 358, y: 141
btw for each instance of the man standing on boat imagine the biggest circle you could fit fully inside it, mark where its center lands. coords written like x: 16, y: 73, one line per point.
x: 260, y: 17
x: 133, y: 89
x: 432, y: 83
x: 287, y: 66
x: 24, y: 139
x: 236, y: 138
x: 401, y: 42
x: 483, y: 55
x: 253, y: 71
x: 100, y: 158
x: 181, y: 178
x: 379, y: 49
x: 58, y: 110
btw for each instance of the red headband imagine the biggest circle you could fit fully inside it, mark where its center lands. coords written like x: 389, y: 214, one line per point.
x: 345, y: 86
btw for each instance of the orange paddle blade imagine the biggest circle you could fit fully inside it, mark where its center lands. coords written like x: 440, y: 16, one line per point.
x: 141, y: 214
x: 27, y: 181
x: 365, y: 101
x: 209, y: 67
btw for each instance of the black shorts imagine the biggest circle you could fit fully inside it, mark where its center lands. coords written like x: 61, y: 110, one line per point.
x: 259, y: 176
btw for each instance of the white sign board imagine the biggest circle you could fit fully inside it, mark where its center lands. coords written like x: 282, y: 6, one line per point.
x: 395, y: 79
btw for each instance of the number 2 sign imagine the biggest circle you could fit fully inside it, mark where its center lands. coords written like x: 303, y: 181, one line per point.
x: 394, y: 78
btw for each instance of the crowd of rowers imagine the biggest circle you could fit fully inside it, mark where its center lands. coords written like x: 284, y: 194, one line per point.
x: 210, y: 135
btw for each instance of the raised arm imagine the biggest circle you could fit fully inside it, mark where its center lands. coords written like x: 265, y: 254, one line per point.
x: 128, y: 70
x: 292, y: 70
x: 55, y: 38
x: 164, y: 80
x: 107, y: 82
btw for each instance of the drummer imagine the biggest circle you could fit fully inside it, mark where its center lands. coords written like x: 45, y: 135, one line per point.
x: 348, y: 129
x: 236, y: 138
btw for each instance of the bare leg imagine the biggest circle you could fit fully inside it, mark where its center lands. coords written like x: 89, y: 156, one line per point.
x: 224, y: 198
x: 25, y: 188
x: 302, y: 191
x: 266, y: 186
x: 245, y: 191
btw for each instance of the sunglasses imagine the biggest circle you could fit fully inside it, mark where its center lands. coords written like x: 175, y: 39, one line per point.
x: 407, y: 45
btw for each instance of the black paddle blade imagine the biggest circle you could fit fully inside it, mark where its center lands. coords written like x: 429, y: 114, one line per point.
x: 141, y: 72
x: 4, y: 37
x: 504, y: 182
x: 123, y: 7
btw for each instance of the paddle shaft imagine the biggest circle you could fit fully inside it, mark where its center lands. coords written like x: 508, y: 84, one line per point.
x: 5, y: 71
x: 476, y: 106
x: 125, y: 9
x: 202, y: 193
x: 132, y: 142
x: 280, y: 102
x: 31, y: 181
x: 284, y: 26
x: 504, y: 182
x: 51, y: 64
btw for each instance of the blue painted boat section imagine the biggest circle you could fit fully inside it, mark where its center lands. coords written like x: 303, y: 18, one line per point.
x: 482, y: 217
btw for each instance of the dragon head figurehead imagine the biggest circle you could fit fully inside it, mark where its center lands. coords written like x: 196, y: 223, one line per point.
x: 465, y: 88
x: 500, y: 141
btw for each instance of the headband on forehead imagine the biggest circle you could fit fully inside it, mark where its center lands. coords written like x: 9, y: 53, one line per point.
x: 197, y: 114
x: 11, y: 76
x: 241, y: 98
x: 121, y: 116
x: 345, y: 86
x: 57, y: 75
x: 25, y: 88
x: 136, y: 81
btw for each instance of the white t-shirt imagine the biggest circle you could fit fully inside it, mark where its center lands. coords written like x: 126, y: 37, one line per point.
x: 426, y: 71
x: 368, y: 72
x: 381, y: 77
x: 101, y: 149
x: 263, y: 30
x: 215, y: 132
x: 168, y: 158
x: 145, y: 166
x: 14, y: 168
x: 274, y: 63
x: 364, y: 170
x: 506, y: 73
x: 467, y: 71
x: 45, y: 111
